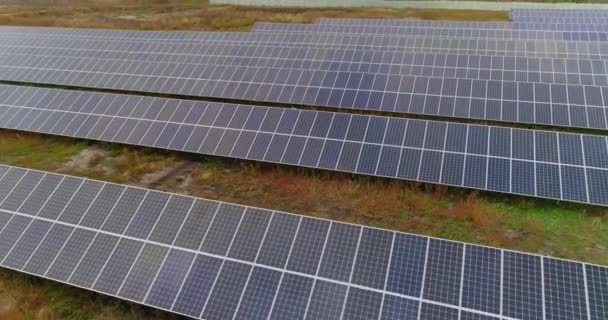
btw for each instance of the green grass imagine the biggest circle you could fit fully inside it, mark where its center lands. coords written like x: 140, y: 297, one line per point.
x: 45, y: 153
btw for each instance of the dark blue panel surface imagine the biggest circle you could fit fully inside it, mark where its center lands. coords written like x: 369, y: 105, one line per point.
x: 102, y: 205
x: 372, y: 258
x: 78, y: 206
x: 465, y: 315
x: 597, y: 286
x: 222, y: 229
x: 339, y: 254
x: 227, y: 290
x: 37, y: 198
x: 124, y: 210
x: 436, y: 312
x: 308, y: 246
x: 326, y: 301
x: 279, y: 238
x: 43, y: 256
x: 117, y: 266
x: 28, y: 241
x: 96, y: 256
x: 249, y: 237
x: 407, y: 265
x: 196, y: 224
x: 197, y: 286
x: 21, y: 190
x: 443, y: 271
x: 397, y: 308
x: 70, y: 255
x: 292, y: 297
x: 362, y: 304
x: 147, y: 214
x: 143, y: 272
x: 522, y: 286
x: 564, y: 290
x: 56, y: 203
x: 481, y: 283
x: 169, y: 223
x: 259, y: 294
x: 169, y: 279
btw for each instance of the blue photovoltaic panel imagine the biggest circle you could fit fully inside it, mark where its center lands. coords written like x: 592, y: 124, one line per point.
x: 561, y: 166
x: 373, y: 253
x: 537, y: 32
x: 481, y: 285
x: 352, y: 264
x: 326, y: 300
x: 522, y: 286
x: 470, y: 41
x: 443, y: 272
x: 597, y: 286
x: 440, y: 95
x: 258, y: 296
x: 530, y: 66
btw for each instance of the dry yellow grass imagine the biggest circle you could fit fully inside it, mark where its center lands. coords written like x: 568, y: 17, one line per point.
x: 198, y: 15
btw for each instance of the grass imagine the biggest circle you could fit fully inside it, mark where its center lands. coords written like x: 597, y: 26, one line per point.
x: 198, y: 15
x: 547, y: 227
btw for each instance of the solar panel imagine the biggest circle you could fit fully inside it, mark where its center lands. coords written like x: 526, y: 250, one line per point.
x: 417, y: 23
x: 582, y: 26
x: 561, y: 20
x: 570, y: 167
x: 521, y: 32
x: 565, y: 105
x: 348, y: 271
x: 538, y: 12
x: 580, y: 29
x: 540, y: 48
x: 542, y: 70
x: 535, y: 23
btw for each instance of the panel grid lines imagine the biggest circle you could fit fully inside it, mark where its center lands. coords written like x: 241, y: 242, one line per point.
x: 399, y: 100
x: 214, y: 260
x: 595, y: 172
x: 280, y: 269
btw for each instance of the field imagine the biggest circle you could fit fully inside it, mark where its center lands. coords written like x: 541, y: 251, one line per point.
x: 532, y: 225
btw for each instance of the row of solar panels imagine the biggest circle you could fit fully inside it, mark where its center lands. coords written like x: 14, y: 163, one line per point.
x: 138, y: 66
x: 441, y: 32
x: 214, y: 260
x: 564, y: 105
x: 546, y: 164
x: 517, y: 13
x: 517, y: 33
x: 558, y: 48
x: 574, y: 71
x: 540, y: 25
x: 534, y: 51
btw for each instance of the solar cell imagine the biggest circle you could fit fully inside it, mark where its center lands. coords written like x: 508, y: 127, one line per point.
x: 215, y: 286
x: 257, y: 298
